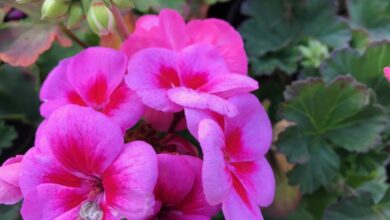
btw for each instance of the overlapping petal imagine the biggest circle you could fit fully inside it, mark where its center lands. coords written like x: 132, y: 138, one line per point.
x: 9, y: 181
x: 130, y: 180
x: 93, y: 78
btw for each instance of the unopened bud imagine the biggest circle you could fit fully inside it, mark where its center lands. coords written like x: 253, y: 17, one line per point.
x: 54, y: 8
x: 75, y: 15
x: 100, y: 18
x: 124, y: 3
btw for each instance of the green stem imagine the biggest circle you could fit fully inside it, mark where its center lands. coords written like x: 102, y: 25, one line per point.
x: 72, y: 36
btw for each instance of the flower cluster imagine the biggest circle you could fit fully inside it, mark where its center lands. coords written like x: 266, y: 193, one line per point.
x: 109, y: 148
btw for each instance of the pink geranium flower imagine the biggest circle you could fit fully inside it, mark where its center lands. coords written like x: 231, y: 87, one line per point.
x: 93, y: 78
x: 235, y: 170
x: 179, y: 194
x: 80, y: 168
x: 168, y: 30
x: 386, y: 70
x: 196, y: 77
x: 9, y: 181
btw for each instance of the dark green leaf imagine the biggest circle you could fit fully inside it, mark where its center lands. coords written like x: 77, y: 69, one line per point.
x: 373, y: 16
x: 7, y: 135
x: 10, y: 212
x: 321, y: 168
x: 361, y: 207
x: 284, y: 60
x: 338, y: 114
x: 275, y: 25
x: 18, y: 94
x: 367, y: 68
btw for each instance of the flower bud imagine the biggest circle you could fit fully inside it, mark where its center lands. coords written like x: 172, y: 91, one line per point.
x: 75, y: 15
x: 100, y: 18
x: 124, y: 3
x: 54, y: 8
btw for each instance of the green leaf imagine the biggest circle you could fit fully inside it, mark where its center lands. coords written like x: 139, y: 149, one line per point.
x: 327, y: 116
x: 277, y: 24
x: 18, y: 94
x: 10, y: 212
x: 7, y: 135
x: 285, y: 60
x: 366, y: 68
x: 360, y: 207
x: 372, y: 16
x: 321, y: 168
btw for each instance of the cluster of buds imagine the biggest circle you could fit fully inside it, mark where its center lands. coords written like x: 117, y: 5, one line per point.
x: 98, y: 13
x: 314, y: 53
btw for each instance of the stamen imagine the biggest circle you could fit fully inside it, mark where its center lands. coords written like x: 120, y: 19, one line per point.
x: 91, y: 211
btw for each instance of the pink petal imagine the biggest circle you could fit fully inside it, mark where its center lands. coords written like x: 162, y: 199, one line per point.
x: 40, y: 167
x: 258, y: 180
x: 62, y: 199
x: 147, y: 34
x: 195, y: 203
x: 150, y: 73
x: 194, y: 116
x: 161, y: 121
x: 249, y: 134
x: 189, y: 98
x: 199, y: 64
x: 71, y: 214
x: 56, y: 90
x: 174, y: 29
x: 9, y: 181
x: 223, y: 36
x: 82, y: 140
x: 228, y: 85
x: 175, y: 179
x: 217, y: 180
x: 239, y: 206
x: 146, y: 23
x: 125, y: 108
x: 95, y: 73
x: 130, y: 180
x: 12, y: 160
x: 386, y: 70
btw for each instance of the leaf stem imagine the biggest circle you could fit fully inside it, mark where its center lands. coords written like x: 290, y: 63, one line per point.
x: 72, y: 36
